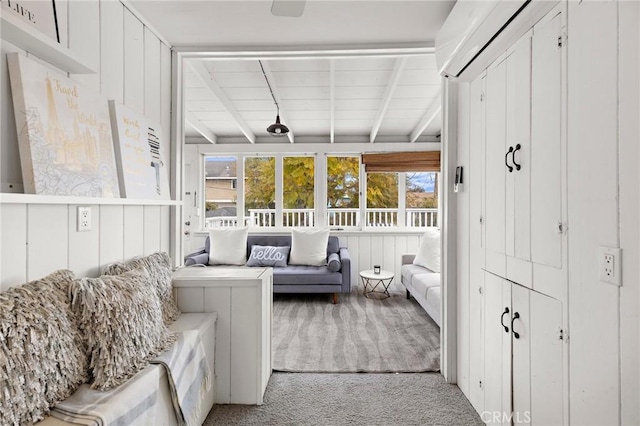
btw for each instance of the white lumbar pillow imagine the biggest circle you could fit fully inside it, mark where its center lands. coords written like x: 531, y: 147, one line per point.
x: 228, y: 246
x: 429, y: 252
x: 309, y: 247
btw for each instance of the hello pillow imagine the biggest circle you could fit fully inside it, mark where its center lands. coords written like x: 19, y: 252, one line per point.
x: 228, y: 246
x: 309, y: 247
x: 428, y: 255
x: 268, y: 256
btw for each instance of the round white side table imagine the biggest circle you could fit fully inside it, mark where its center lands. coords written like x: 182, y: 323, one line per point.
x: 376, y: 286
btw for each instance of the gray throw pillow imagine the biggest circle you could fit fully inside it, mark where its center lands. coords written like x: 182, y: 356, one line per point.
x: 333, y: 262
x: 158, y: 265
x: 269, y: 256
x: 121, y: 320
x: 42, y: 354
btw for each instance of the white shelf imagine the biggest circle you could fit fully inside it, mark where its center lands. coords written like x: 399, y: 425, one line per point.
x: 21, y: 35
x: 8, y: 198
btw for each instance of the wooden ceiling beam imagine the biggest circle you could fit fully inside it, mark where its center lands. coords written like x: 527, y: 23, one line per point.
x: 283, y: 113
x: 207, y: 79
x: 388, y: 95
x: 427, y: 119
x: 193, y: 121
x: 332, y: 100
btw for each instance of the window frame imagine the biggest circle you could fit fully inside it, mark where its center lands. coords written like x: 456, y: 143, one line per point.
x: 320, y: 212
x: 360, y: 191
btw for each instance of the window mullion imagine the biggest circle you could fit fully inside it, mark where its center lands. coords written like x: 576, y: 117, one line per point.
x: 363, y: 197
x: 240, y: 190
x: 279, y: 189
x: 321, y: 191
x: 402, y: 199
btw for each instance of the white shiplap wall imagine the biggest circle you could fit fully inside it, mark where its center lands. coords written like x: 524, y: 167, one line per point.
x: 133, y: 67
x: 603, y: 206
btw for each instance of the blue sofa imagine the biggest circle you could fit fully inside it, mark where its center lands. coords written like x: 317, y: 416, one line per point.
x: 296, y: 278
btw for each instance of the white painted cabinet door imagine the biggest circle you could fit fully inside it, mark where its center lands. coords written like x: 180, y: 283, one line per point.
x: 547, y: 393
x: 518, y: 136
x: 497, y: 350
x: 495, y: 169
x: 546, y: 144
x: 521, y: 340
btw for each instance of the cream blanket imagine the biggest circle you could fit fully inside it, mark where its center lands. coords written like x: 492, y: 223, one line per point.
x: 189, y: 375
x: 134, y: 402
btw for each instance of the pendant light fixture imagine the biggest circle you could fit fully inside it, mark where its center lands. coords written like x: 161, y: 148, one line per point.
x: 277, y: 128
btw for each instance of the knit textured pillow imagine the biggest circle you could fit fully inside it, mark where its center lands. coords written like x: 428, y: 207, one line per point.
x: 121, y: 321
x: 158, y: 265
x: 42, y: 354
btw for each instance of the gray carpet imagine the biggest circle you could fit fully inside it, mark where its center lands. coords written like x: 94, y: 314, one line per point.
x: 353, y: 399
x: 310, y: 334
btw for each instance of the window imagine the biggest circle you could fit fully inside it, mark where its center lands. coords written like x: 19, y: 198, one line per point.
x: 382, y: 199
x: 343, y: 191
x: 279, y: 190
x: 260, y: 191
x: 298, y: 192
x: 220, y: 191
x: 421, y: 202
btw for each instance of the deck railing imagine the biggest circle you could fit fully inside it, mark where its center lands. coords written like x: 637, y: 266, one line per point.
x: 420, y: 218
x: 336, y: 218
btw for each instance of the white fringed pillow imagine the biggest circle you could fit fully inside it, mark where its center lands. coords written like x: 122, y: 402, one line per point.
x: 309, y: 247
x: 228, y: 246
x: 42, y: 354
x: 121, y: 320
x: 428, y: 254
x: 158, y: 265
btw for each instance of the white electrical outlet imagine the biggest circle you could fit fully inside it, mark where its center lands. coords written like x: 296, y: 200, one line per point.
x: 84, y: 218
x: 609, y: 261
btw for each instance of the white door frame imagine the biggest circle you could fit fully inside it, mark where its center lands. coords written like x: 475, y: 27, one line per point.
x: 448, y: 351
x: 448, y: 232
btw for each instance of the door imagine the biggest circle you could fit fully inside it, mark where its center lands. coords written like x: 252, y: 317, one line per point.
x: 476, y: 254
x: 546, y: 143
x: 496, y: 154
x: 497, y: 350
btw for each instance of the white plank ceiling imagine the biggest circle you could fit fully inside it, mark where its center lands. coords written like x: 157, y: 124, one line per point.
x: 380, y: 98
x: 326, y: 100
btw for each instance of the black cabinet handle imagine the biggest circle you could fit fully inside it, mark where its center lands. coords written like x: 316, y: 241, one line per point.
x: 506, y: 311
x: 506, y: 159
x: 513, y: 157
x: 516, y: 315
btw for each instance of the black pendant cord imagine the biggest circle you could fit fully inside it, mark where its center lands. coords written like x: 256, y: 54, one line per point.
x: 269, y: 85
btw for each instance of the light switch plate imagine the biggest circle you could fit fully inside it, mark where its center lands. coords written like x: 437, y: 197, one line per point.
x: 610, y: 265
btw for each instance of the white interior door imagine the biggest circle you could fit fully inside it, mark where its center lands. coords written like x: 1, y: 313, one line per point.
x: 188, y: 207
x: 546, y: 140
x: 496, y: 153
x: 476, y: 253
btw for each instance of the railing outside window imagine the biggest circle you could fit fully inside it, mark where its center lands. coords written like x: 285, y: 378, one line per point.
x: 336, y: 218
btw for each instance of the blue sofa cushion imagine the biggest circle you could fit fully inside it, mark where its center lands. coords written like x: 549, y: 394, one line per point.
x: 300, y: 274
